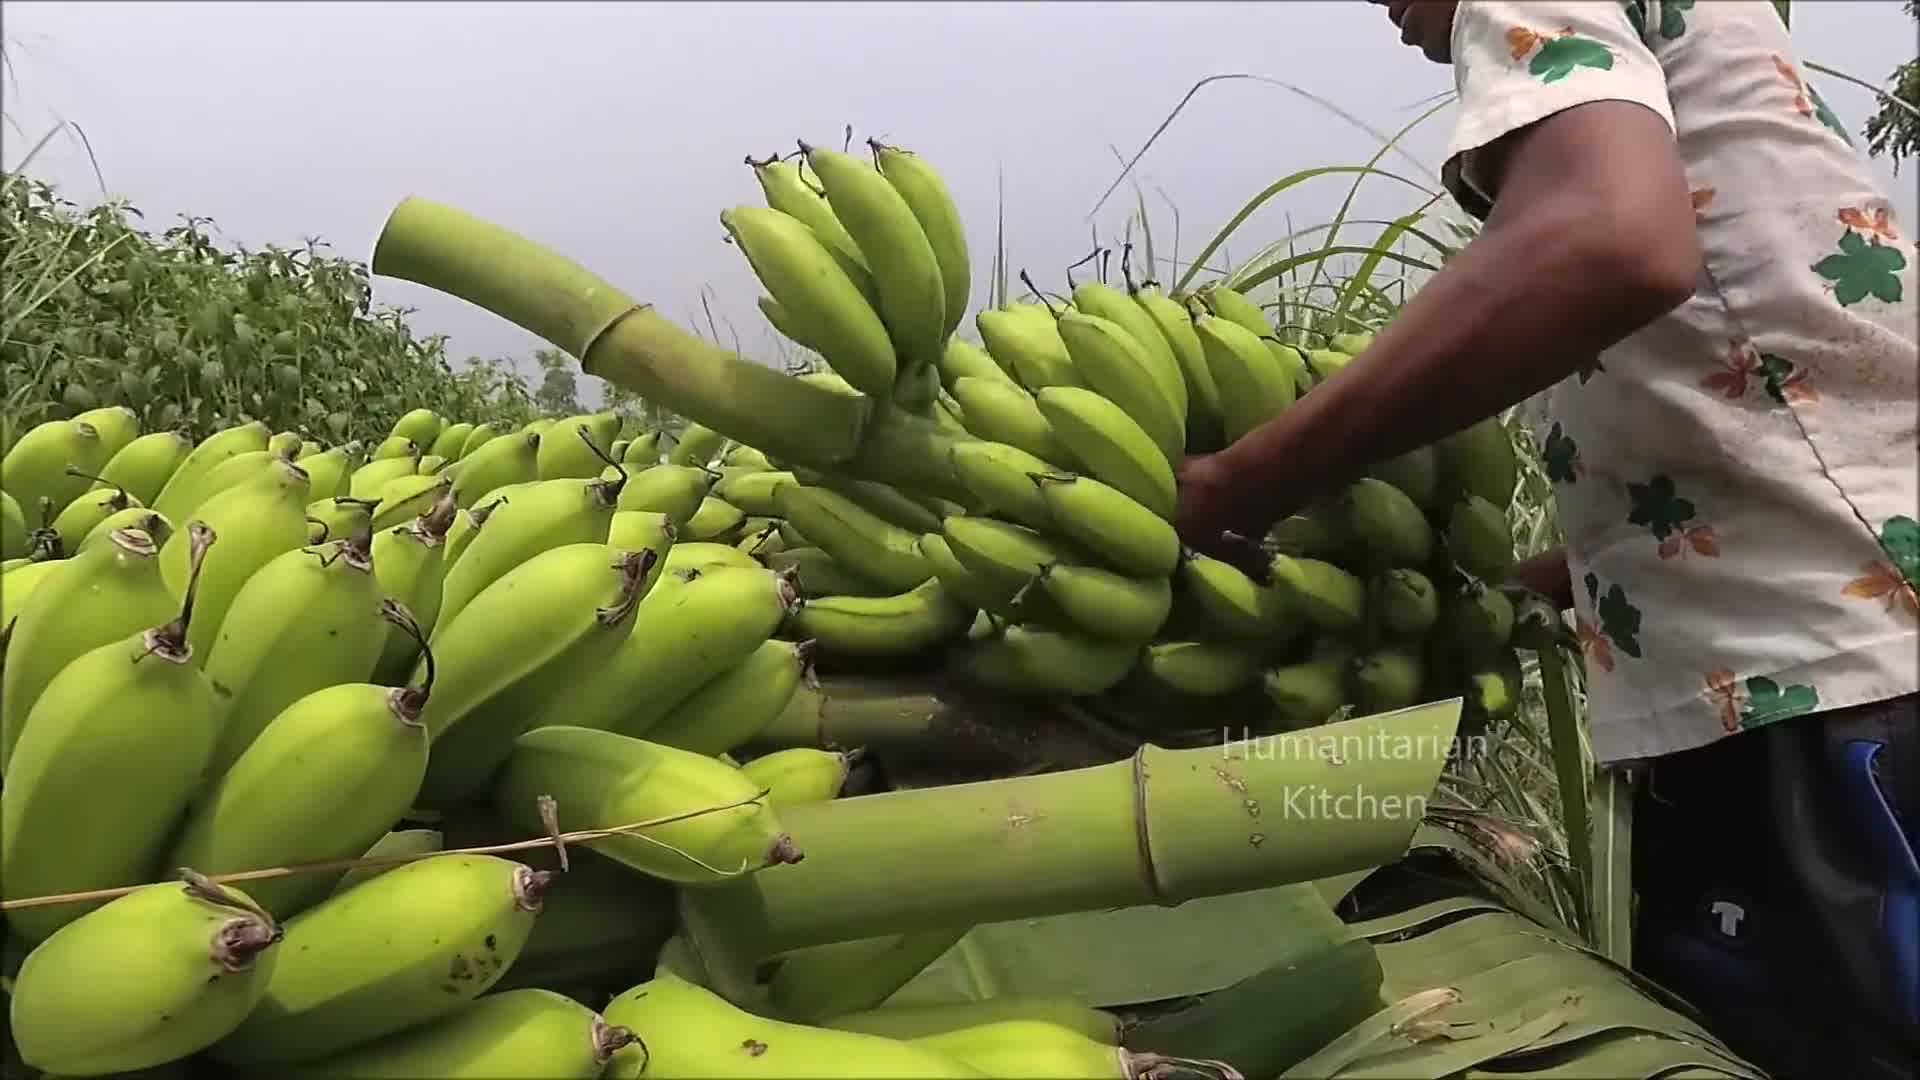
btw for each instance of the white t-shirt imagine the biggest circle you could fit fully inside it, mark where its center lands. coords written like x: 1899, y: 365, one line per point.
x: 1737, y: 480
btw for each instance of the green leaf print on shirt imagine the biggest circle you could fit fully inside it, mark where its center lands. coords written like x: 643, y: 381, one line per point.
x: 1768, y: 701
x: 1673, y: 18
x: 1559, y: 56
x: 1900, y: 538
x: 1560, y: 456
x: 1826, y: 115
x: 1619, y: 619
x: 1862, y: 269
x: 1637, y: 15
x: 1658, y: 506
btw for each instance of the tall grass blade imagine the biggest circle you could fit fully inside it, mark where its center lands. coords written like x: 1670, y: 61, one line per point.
x: 1219, y: 240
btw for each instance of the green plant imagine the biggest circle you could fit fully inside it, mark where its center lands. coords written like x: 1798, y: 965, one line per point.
x: 196, y: 335
x: 1895, y: 129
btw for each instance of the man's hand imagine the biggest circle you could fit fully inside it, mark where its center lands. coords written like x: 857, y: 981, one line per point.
x: 1212, y: 519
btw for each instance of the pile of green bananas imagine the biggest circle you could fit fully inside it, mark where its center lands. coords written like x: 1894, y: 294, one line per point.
x: 1047, y: 538
x: 277, y: 654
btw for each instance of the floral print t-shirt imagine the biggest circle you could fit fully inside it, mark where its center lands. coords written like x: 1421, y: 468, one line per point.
x: 1737, y: 479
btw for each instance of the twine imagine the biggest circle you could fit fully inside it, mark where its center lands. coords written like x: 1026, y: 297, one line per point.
x: 554, y: 839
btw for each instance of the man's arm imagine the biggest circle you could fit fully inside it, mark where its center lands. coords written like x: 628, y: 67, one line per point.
x: 1591, y: 237
x: 1547, y: 574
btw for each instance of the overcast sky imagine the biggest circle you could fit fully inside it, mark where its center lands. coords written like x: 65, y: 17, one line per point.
x: 614, y: 133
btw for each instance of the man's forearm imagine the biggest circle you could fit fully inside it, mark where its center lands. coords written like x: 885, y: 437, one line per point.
x: 1547, y: 574
x: 1584, y: 247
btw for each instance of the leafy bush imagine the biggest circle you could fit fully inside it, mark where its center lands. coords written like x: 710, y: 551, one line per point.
x: 191, y: 335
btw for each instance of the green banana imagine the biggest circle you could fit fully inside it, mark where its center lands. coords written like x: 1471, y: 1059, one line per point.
x: 481, y: 435
x: 808, y: 985
x: 1388, y: 525
x: 1494, y: 691
x: 760, y: 537
x: 1004, y: 558
x: 1119, y: 368
x: 466, y: 754
x: 1307, y: 693
x: 673, y: 490
x: 496, y: 464
x: 88, y: 602
x: 1118, y: 307
x: 1025, y: 340
x: 638, y: 530
x: 714, y: 1038
x: 882, y: 500
x: 431, y: 465
x: 366, y: 481
x: 1232, y: 604
x: 695, y: 446
x: 742, y: 456
x: 17, y: 586
x: 39, y: 464
x: 182, y: 489
x: 133, y: 719
x: 398, y: 446
x: 466, y: 525
x: 1109, y: 523
x: 684, y: 634
x: 545, y: 515
x: 784, y: 323
x: 1000, y: 477
x: 604, y: 928
x: 420, y: 425
x: 1477, y: 460
x: 407, y: 497
x: 403, y: 844
x: 325, y: 778
x: 816, y: 573
x: 1112, y: 447
x: 308, y: 619
x: 963, y: 583
x: 327, y: 471
x: 715, y: 520
x: 787, y: 191
x: 1205, y: 415
x: 1476, y: 621
x: 533, y: 613
x: 998, y: 410
x: 526, y: 1032
x: 800, y: 774
x: 1200, y: 668
x: 735, y: 705
x: 1325, y: 595
x: 1478, y: 538
x: 854, y: 535
x: 604, y: 780
x: 753, y: 491
x: 575, y: 447
x: 926, y: 194
x: 143, y: 466
x: 409, y: 564
x: 1254, y: 387
x: 906, y: 271
x: 1037, y: 660
x: 962, y: 359
x: 285, y: 443
x: 1102, y: 603
x: 337, y: 518
x: 1404, y: 602
x: 1388, y: 678
x: 1324, y: 364
x: 1351, y: 344
x: 451, y: 441
x: 155, y: 976
x: 405, y: 948
x: 87, y: 511
x: 308, y: 448
x: 133, y: 517
x: 1416, y: 473
x: 900, y: 625
x: 232, y: 471
x: 911, y: 1021
x: 1311, y: 535
x: 13, y: 528
x: 118, y: 425
x: 826, y: 309
x: 1234, y: 306
x: 704, y: 555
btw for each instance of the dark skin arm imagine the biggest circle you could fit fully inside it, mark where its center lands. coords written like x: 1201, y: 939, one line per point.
x: 1591, y: 237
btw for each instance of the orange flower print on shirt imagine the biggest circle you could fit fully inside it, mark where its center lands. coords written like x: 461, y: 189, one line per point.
x: 1594, y: 644
x: 1878, y: 224
x: 1760, y: 701
x: 1702, y: 198
x: 1792, y: 78
x: 1878, y: 580
x: 1726, y: 697
x: 1743, y: 365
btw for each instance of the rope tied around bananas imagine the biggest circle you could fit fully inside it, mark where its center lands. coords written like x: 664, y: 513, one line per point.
x: 556, y: 840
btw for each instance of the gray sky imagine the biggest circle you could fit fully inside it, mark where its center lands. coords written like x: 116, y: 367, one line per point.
x: 614, y: 133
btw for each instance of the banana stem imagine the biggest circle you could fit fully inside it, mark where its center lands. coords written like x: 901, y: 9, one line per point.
x: 614, y: 338
x: 1160, y: 828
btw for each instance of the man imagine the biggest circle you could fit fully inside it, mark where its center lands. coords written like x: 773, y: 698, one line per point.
x: 1682, y: 243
